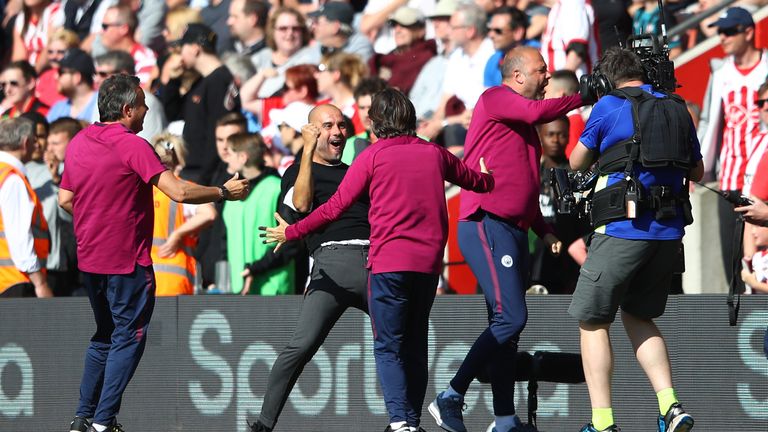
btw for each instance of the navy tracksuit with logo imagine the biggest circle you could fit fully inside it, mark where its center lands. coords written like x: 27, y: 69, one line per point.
x: 497, y: 253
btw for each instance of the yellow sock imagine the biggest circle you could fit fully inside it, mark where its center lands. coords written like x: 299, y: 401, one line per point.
x: 602, y: 418
x: 666, y: 397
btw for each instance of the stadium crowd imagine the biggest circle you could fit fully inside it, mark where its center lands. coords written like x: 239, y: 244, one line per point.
x: 230, y: 83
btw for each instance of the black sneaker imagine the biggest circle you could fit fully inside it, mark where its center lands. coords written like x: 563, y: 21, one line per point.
x: 113, y: 428
x: 405, y: 428
x: 79, y: 424
x: 675, y: 420
x: 258, y: 427
x: 589, y: 428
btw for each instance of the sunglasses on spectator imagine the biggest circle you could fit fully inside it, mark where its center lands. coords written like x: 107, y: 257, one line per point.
x: 497, y: 30
x: 295, y: 29
x: 56, y: 52
x: 730, y: 31
x: 104, y: 74
x: 11, y: 83
x: 761, y: 102
x: 106, y: 26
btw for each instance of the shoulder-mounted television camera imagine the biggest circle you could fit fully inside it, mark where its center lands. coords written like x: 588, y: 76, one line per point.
x: 653, y: 52
x: 571, y: 190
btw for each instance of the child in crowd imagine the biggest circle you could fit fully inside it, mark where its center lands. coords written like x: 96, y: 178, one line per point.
x: 269, y: 273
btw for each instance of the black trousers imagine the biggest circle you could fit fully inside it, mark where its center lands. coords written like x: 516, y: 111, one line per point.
x: 339, y: 281
x: 729, y: 221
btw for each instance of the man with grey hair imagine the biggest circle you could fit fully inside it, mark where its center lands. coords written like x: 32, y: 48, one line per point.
x: 24, y: 241
x: 107, y: 187
x: 120, y: 62
x: 464, y: 73
x: 334, y: 32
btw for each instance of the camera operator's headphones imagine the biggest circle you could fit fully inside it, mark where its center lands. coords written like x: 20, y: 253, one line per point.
x: 596, y: 83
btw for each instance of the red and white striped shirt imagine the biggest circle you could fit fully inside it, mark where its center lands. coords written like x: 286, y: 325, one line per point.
x: 732, y: 105
x: 35, y: 38
x: 145, y: 61
x: 570, y: 21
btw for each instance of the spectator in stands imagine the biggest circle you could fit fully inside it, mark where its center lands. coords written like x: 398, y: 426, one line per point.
x: 215, y: 15
x: 564, y: 83
x: 759, y: 145
x: 36, y: 22
x: 287, y: 46
x: 647, y: 19
x: 41, y: 133
x: 60, y: 41
x: 176, y: 22
x: 557, y: 274
x: 613, y: 22
x: 569, y: 41
x: 427, y: 90
x: 24, y: 244
x: 75, y: 81
x: 247, y: 21
x: 211, y: 246
x: 506, y: 29
x: 756, y: 277
x: 85, y: 18
x: 730, y: 117
x: 376, y: 24
x: 300, y: 86
x: 118, y: 30
x: 242, y: 219
x: 176, y: 227
x: 401, y: 66
x: 463, y: 81
x: 441, y: 22
x: 210, y: 97
x: 121, y: 62
x: 289, y: 121
x: 18, y: 82
x: 364, y: 93
x: 334, y: 32
x: 63, y: 276
x: 337, y: 77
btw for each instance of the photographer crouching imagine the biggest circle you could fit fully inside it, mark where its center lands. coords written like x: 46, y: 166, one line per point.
x: 646, y: 150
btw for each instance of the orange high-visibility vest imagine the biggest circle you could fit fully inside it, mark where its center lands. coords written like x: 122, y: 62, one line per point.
x: 9, y: 274
x: 174, y: 275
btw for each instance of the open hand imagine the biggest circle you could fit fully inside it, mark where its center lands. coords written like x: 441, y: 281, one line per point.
x: 275, y: 234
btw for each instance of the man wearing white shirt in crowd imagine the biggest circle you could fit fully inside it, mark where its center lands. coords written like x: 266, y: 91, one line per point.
x: 334, y: 32
x: 24, y: 241
x: 465, y: 69
x: 569, y: 40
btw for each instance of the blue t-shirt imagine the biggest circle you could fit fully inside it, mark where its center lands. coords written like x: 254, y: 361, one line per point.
x: 63, y: 108
x: 611, y: 123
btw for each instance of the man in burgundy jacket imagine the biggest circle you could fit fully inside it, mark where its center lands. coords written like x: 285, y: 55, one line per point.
x: 493, y: 228
x: 403, y: 175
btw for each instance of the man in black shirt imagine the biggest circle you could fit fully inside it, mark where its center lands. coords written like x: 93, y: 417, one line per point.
x: 340, y: 251
x: 209, y: 98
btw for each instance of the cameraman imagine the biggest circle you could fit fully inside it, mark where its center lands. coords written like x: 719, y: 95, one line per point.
x: 633, y: 255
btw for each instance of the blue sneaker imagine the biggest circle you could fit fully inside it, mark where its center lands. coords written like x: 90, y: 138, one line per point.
x: 447, y: 412
x: 675, y: 420
x: 589, y: 428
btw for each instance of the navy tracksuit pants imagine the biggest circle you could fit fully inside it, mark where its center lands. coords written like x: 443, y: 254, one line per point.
x: 497, y: 253
x: 122, y: 306
x: 399, y: 305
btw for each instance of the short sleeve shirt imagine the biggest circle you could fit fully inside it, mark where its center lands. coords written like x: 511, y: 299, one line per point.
x: 109, y: 170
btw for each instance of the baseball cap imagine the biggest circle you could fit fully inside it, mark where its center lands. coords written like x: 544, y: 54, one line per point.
x: 444, y: 8
x: 734, y: 17
x: 335, y: 11
x: 78, y: 60
x: 295, y: 115
x: 407, y: 16
x: 200, y: 34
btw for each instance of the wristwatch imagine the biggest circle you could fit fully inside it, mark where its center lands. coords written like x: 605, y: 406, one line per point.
x: 224, y: 193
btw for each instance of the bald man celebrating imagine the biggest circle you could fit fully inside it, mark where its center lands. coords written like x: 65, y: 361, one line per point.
x: 493, y: 227
x: 340, y: 251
